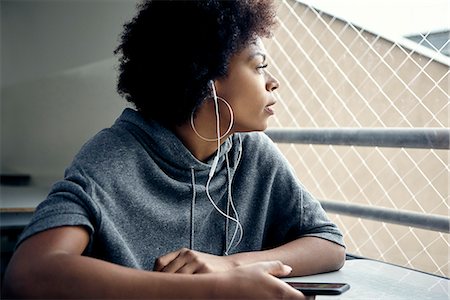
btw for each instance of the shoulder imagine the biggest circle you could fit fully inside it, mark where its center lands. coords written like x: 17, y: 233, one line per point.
x: 105, y: 144
x: 260, y: 154
x: 110, y: 150
x: 259, y: 146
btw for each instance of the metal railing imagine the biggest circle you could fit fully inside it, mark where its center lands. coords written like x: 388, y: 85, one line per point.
x: 428, y: 138
x: 425, y: 138
x: 400, y: 217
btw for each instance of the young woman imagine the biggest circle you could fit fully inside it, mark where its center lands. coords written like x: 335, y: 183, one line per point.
x: 182, y: 197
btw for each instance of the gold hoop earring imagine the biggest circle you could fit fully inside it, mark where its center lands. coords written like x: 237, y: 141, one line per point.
x: 226, y: 132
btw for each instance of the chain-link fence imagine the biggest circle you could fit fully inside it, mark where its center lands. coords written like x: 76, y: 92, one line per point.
x: 335, y: 74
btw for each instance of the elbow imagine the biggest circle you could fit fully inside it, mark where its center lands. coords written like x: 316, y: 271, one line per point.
x: 339, y: 257
x: 14, y: 284
x: 335, y: 258
x: 19, y: 282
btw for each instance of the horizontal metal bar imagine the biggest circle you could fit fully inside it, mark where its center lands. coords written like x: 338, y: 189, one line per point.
x: 426, y: 138
x: 401, y: 217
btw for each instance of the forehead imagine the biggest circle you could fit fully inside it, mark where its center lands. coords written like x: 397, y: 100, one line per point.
x: 258, y: 44
x: 254, y: 49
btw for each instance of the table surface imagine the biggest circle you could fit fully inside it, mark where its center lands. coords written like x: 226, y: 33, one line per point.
x: 370, y: 279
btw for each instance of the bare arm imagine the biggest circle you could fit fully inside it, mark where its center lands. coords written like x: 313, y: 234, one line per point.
x: 50, y: 265
x: 306, y: 255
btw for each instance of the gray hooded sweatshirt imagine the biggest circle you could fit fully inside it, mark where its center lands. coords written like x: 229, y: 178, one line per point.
x: 141, y: 194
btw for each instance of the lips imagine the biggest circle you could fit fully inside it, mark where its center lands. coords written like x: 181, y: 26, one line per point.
x: 269, y: 108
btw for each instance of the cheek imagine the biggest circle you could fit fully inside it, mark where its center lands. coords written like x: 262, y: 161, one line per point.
x: 247, y: 104
x: 245, y: 93
x: 246, y: 111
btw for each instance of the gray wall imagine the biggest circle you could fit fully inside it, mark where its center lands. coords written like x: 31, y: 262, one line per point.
x: 57, y: 79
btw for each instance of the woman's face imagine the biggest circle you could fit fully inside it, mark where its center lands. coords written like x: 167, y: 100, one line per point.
x: 248, y: 88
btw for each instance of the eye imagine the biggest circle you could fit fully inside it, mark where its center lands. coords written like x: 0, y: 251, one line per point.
x: 260, y: 68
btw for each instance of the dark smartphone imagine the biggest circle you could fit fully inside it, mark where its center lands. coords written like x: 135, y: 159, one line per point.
x: 320, y: 288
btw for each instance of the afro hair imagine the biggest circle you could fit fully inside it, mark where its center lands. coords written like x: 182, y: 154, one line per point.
x: 171, y: 49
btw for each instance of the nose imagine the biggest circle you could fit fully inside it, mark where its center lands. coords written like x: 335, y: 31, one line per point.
x: 271, y: 82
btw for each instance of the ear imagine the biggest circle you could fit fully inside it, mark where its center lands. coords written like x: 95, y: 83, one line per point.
x: 218, y: 85
x: 213, y: 87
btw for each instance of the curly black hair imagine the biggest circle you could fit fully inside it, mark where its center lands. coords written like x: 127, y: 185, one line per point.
x: 171, y: 49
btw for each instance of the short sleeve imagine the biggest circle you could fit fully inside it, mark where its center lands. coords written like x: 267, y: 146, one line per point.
x: 314, y: 220
x: 69, y: 203
x: 294, y: 212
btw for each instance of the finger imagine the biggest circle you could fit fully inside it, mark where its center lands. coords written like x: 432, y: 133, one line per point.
x: 288, y: 291
x: 185, y: 257
x: 175, y: 265
x: 189, y: 268
x: 164, y: 260
x: 276, y: 268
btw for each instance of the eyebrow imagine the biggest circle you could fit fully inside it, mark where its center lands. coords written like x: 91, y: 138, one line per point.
x: 253, y: 55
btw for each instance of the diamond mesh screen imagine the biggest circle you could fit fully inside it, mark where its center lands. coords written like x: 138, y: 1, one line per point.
x: 334, y: 74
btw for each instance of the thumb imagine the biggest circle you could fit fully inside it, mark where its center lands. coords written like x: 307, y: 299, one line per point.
x: 277, y: 268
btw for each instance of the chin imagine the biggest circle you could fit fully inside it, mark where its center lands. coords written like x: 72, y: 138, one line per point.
x: 261, y: 126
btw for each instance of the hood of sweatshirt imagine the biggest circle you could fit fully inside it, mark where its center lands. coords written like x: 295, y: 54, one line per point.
x: 176, y: 161
x: 171, y: 154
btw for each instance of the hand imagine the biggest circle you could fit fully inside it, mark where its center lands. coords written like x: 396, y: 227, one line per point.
x: 188, y: 261
x: 257, y: 281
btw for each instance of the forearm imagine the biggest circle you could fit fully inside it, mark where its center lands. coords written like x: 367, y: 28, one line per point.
x: 307, y: 255
x: 59, y: 276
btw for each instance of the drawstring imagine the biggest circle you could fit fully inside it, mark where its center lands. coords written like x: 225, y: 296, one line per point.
x: 228, y: 246
x: 227, y: 222
x: 230, y: 203
x: 191, y: 241
x: 238, y: 223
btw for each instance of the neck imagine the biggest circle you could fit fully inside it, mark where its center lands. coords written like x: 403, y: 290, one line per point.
x: 205, y: 124
x: 202, y: 150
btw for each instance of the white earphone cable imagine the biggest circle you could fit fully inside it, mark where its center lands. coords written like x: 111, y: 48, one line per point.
x: 211, y: 174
